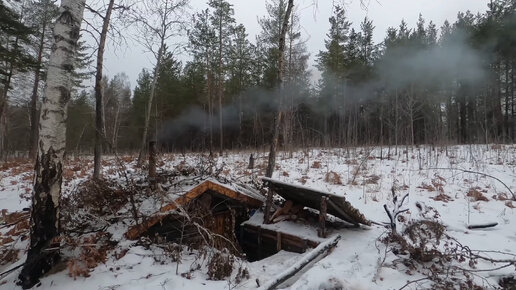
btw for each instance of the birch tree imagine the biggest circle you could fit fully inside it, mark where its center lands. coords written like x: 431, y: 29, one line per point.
x: 45, y: 12
x: 157, y: 21
x: 277, y: 121
x: 44, y: 225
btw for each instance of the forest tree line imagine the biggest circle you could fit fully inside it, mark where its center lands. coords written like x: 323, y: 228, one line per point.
x: 423, y: 84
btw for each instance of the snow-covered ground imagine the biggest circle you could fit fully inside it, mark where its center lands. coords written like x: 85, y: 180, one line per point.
x: 364, y: 176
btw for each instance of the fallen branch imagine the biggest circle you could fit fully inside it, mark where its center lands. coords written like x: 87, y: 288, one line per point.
x: 479, y: 173
x: 323, y: 248
x: 482, y: 226
x: 3, y: 274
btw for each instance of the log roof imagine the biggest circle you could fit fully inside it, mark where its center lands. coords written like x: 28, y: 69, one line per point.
x: 235, y: 192
x: 337, y: 205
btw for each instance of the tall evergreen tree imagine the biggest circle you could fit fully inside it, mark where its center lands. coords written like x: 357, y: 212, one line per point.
x: 222, y: 20
x: 14, y: 40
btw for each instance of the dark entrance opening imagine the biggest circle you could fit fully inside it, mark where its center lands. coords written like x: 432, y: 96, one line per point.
x: 259, y: 243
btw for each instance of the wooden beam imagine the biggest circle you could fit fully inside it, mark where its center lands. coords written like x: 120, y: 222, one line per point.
x: 321, y: 232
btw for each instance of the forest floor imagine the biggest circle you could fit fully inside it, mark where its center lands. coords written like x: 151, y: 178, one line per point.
x: 366, y: 258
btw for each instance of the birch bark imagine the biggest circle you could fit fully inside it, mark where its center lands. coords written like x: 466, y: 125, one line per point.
x: 51, y: 146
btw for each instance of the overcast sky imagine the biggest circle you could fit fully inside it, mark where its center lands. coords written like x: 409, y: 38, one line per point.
x: 314, y: 21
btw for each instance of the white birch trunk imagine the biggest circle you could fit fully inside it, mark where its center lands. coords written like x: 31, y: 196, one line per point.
x: 51, y: 145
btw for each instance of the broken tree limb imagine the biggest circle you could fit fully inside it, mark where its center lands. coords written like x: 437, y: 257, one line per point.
x: 480, y: 173
x: 320, y: 250
x: 482, y: 226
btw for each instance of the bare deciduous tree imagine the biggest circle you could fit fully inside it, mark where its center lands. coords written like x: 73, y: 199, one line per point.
x: 277, y: 122
x: 157, y: 21
x: 99, y: 102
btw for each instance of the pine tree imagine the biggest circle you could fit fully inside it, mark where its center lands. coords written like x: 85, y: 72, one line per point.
x: 332, y: 61
x: 202, y: 42
x: 222, y: 20
x: 14, y: 40
x: 139, y: 102
x: 240, y: 69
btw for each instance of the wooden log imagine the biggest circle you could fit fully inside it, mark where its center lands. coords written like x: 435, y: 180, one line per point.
x: 321, y: 232
x: 152, y: 164
x: 322, y: 249
x: 482, y: 226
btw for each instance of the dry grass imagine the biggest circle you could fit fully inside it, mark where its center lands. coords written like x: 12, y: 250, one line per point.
x: 372, y: 179
x: 427, y: 187
x: 442, y: 197
x: 93, y: 251
x: 475, y: 193
x: 333, y: 177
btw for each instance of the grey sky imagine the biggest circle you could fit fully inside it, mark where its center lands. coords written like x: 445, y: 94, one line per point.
x: 314, y: 21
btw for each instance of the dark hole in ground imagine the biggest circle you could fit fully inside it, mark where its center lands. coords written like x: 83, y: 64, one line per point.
x: 259, y: 243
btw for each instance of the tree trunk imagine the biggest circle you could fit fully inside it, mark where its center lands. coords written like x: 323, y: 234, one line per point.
x: 99, y: 99
x: 4, y: 103
x: 277, y: 121
x: 34, y: 116
x: 3, y: 124
x: 149, y: 104
x: 220, y: 88
x: 51, y: 146
x: 116, y: 128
